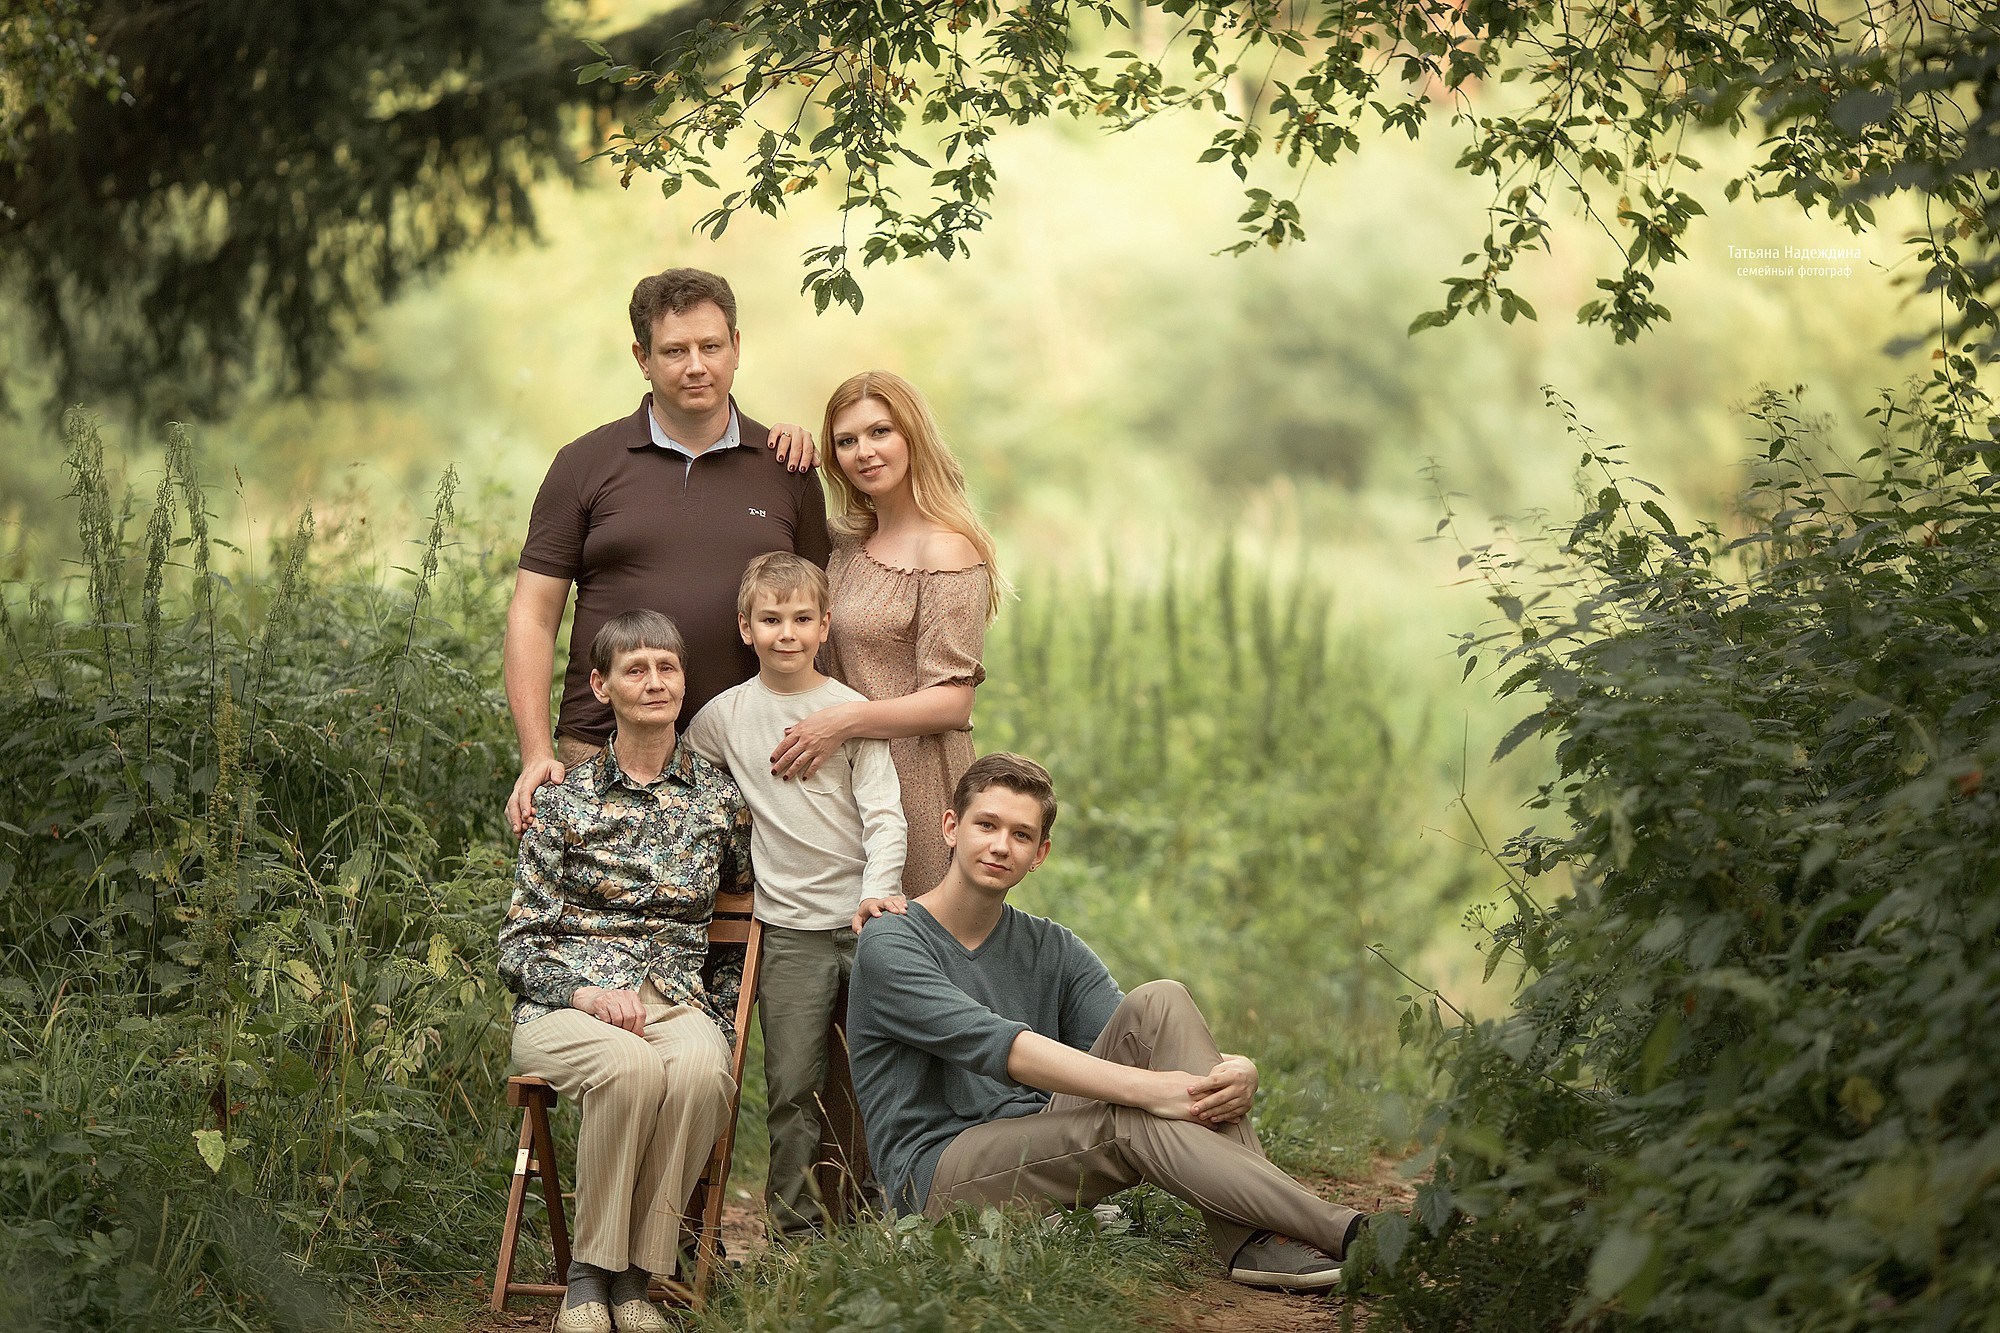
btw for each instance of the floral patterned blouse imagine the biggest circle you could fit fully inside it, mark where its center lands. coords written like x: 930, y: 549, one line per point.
x: 616, y: 883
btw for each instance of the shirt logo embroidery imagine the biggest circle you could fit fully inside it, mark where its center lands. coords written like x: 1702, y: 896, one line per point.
x: 758, y: 512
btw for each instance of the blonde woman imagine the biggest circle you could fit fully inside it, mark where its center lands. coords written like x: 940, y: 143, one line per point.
x: 914, y: 586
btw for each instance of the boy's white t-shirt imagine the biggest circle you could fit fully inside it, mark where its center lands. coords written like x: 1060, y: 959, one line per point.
x: 821, y: 845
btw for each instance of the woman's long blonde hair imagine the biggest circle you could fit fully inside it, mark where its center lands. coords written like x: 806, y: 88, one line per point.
x: 937, y: 482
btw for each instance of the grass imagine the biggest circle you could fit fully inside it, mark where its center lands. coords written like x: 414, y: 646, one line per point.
x: 972, y: 1271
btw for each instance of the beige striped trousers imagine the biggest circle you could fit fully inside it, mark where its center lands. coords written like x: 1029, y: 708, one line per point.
x: 653, y: 1107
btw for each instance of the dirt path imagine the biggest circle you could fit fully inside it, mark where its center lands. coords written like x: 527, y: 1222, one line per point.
x: 1216, y: 1306
x: 1222, y: 1306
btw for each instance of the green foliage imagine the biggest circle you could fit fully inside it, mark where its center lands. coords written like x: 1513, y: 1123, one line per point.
x: 267, y: 174
x: 972, y: 1271
x: 245, y: 933
x: 47, y: 58
x: 857, y: 96
x: 1742, y: 1084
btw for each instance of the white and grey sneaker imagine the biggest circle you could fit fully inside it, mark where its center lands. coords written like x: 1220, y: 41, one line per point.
x: 1270, y: 1260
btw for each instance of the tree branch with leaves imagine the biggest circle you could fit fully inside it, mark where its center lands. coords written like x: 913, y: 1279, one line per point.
x: 871, y: 100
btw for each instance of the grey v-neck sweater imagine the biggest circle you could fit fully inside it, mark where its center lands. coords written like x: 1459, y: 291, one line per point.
x: 930, y: 1024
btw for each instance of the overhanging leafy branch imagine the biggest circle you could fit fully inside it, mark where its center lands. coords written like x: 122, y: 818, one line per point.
x: 1849, y: 107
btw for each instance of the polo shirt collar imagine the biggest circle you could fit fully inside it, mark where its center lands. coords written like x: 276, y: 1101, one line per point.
x: 732, y: 437
x: 680, y: 768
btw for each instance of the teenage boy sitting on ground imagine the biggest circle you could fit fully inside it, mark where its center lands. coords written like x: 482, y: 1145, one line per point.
x: 969, y: 1021
x: 828, y: 853
x: 606, y: 942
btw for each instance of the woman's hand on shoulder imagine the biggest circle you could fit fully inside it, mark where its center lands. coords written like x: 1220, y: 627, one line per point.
x: 793, y: 446
x: 811, y: 741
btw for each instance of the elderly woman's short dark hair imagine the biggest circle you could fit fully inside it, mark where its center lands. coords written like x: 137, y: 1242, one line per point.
x: 630, y: 631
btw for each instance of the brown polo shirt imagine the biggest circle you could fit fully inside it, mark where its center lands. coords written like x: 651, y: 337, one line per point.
x: 634, y: 525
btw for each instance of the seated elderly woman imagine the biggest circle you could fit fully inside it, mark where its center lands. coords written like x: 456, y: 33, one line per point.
x: 605, y: 942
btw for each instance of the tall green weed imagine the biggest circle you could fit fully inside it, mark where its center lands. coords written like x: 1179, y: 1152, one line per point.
x: 246, y: 900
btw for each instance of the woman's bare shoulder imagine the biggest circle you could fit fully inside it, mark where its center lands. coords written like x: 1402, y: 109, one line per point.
x: 948, y: 549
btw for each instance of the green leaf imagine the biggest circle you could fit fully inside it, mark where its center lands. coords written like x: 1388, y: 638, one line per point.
x: 1818, y: 857
x: 1860, y: 1098
x: 212, y: 1147
x: 1434, y: 1206
x: 1526, y: 727
x: 1620, y: 1258
x: 1391, y: 1234
x: 1658, y: 1048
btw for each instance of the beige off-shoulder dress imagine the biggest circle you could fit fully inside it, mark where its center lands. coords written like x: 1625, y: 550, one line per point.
x: 896, y: 631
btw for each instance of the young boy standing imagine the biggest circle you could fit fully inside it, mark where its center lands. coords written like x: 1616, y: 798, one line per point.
x: 828, y: 853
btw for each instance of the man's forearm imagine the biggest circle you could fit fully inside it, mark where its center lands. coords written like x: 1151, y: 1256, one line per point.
x: 1043, y: 1063
x: 527, y: 665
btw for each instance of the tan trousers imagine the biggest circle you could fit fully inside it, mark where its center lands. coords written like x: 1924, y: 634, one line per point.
x: 1076, y: 1151
x: 653, y: 1107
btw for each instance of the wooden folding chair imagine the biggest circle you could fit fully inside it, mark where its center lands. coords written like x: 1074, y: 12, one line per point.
x: 732, y: 925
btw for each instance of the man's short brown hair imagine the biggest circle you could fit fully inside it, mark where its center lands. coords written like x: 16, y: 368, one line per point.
x: 632, y: 630
x: 676, y: 292
x: 1016, y: 774
x: 779, y: 573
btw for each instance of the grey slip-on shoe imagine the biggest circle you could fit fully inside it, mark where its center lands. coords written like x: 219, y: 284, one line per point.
x: 1270, y: 1260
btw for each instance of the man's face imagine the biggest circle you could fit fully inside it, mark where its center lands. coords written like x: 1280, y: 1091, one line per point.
x: 998, y: 840
x: 692, y: 361
x: 786, y: 630
x: 644, y: 688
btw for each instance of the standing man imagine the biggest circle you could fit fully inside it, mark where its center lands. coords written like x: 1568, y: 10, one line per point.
x: 661, y: 511
x: 997, y: 1060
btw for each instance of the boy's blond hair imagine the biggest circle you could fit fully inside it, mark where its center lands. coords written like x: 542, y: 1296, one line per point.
x: 779, y: 573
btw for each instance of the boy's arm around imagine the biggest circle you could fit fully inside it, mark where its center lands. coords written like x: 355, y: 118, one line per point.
x: 885, y: 836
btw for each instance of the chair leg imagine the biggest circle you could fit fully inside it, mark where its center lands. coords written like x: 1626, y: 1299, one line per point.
x: 545, y: 1164
x: 517, y: 1195
x: 713, y: 1187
